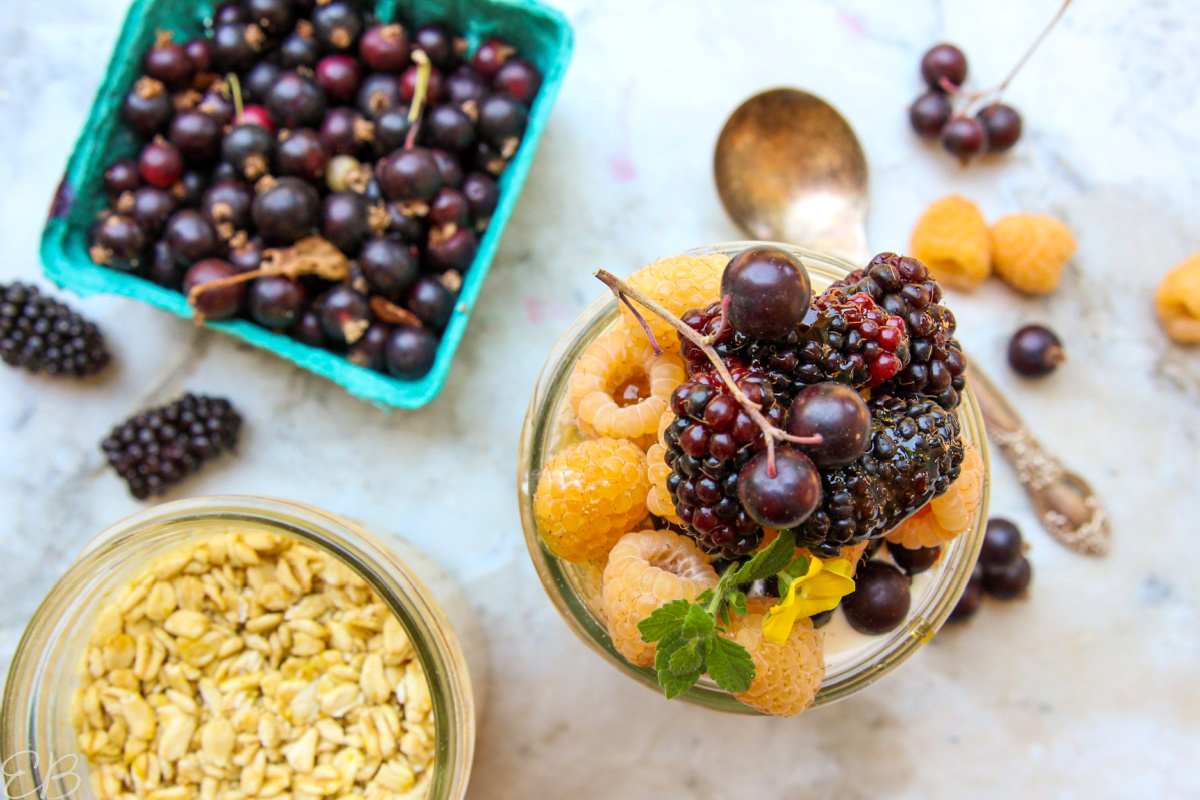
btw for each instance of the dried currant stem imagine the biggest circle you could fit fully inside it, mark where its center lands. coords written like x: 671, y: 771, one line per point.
x: 311, y: 256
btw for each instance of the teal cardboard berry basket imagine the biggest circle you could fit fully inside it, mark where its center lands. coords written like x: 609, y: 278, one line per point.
x: 539, y: 32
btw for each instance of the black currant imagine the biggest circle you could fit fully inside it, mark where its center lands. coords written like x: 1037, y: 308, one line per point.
x: 836, y: 413
x: 880, y: 600
x: 410, y: 352
x: 286, y: 212
x: 344, y: 221
x: 408, y: 175
x: 1035, y: 351
x: 295, y: 101
x: 431, y: 302
x: 1002, y: 124
x: 783, y: 499
x: 276, y: 301
x: 1002, y: 544
x: 220, y: 303
x: 302, y: 154
x: 385, y: 48
x: 943, y: 61
x: 928, y: 114
x: 388, y: 266
x: 964, y: 138
x: 769, y: 292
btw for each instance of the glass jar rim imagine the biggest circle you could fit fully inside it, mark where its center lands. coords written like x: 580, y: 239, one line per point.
x: 580, y: 618
x: 433, y: 639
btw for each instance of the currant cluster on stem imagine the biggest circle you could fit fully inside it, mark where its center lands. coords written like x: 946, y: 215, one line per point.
x: 994, y: 128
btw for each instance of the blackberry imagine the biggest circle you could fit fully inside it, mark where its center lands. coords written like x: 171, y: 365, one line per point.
x: 709, y: 442
x: 845, y: 337
x: 904, y: 287
x: 916, y: 453
x: 159, y: 447
x: 40, y: 334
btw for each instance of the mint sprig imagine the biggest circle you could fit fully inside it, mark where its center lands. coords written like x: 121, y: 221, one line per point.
x: 689, y: 634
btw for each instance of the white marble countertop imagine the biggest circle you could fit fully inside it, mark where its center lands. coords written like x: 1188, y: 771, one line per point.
x: 1087, y: 690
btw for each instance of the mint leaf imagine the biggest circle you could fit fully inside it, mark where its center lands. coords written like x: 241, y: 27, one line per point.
x: 705, y: 597
x: 736, y: 601
x: 774, y: 558
x: 672, y: 683
x: 698, y: 624
x: 665, y: 620
x: 687, y: 659
x: 674, y: 686
x: 730, y: 665
x: 666, y: 648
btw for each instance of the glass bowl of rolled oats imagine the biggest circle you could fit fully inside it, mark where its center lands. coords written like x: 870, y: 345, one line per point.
x: 232, y: 648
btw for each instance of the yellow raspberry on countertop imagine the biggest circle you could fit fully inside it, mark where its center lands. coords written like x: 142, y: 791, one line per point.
x: 620, y: 388
x: 946, y: 516
x: 952, y: 238
x: 1029, y: 251
x: 786, y: 676
x: 645, y: 570
x: 679, y: 283
x: 589, y: 495
x: 1178, y: 301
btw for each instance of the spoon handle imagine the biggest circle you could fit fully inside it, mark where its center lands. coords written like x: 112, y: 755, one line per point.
x: 1066, y: 505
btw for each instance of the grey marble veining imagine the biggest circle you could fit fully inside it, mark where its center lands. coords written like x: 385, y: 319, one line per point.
x: 1087, y: 690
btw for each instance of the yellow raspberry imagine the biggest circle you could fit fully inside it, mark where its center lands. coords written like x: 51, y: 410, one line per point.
x: 1178, y: 301
x: 952, y: 239
x: 659, y: 500
x: 680, y: 284
x: 620, y: 388
x: 949, y: 514
x: 589, y: 495
x: 786, y: 676
x: 645, y: 570
x: 1029, y: 251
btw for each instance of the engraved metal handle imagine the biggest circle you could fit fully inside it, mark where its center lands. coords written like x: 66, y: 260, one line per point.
x: 1064, y: 502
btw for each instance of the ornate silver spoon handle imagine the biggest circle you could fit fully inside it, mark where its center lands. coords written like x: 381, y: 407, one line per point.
x: 1064, y: 502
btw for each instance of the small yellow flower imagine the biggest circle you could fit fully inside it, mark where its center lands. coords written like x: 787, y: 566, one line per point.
x: 819, y: 589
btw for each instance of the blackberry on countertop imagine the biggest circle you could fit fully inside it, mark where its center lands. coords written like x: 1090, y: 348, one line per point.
x: 708, y: 444
x: 845, y: 337
x: 916, y: 452
x: 159, y: 447
x: 904, y: 287
x: 40, y: 334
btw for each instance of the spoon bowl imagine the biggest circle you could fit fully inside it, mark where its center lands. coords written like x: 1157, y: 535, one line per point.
x: 789, y: 168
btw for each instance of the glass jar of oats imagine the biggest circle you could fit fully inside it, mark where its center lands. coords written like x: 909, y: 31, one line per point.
x: 230, y: 648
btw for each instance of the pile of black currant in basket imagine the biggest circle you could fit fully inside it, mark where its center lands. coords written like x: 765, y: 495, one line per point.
x: 347, y: 165
x: 808, y: 366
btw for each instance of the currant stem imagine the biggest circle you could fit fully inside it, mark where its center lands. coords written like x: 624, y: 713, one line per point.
x: 234, y: 87
x: 658, y: 351
x: 993, y: 94
x: 625, y: 293
x: 414, y: 114
x: 712, y: 338
x: 1036, y: 42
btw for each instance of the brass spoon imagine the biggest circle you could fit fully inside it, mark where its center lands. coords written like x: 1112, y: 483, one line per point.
x: 789, y: 168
